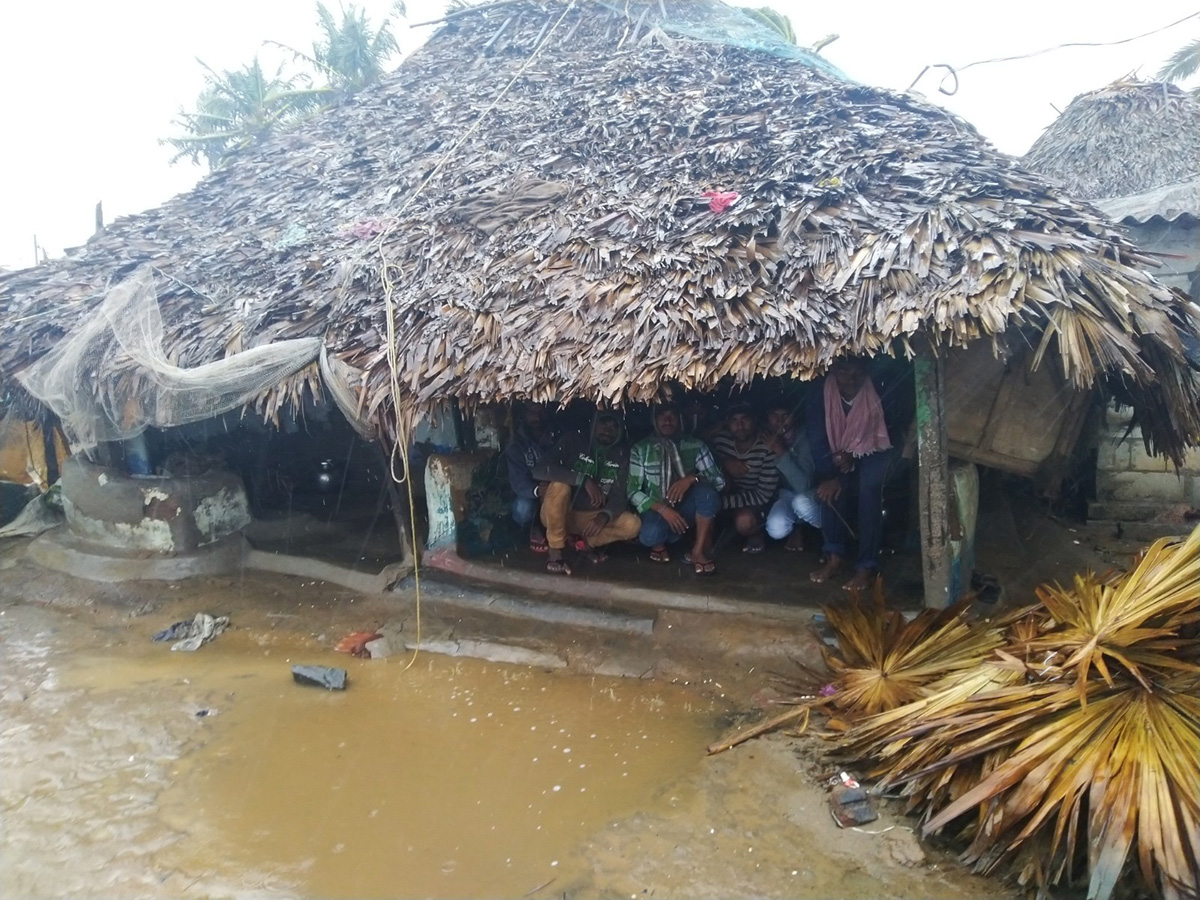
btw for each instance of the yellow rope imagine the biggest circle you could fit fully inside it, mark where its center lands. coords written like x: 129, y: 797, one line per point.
x: 402, y: 435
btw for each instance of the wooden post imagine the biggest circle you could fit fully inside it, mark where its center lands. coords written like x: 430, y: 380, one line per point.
x: 934, y: 477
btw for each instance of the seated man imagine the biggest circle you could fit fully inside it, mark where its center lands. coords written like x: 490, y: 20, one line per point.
x: 582, y: 491
x: 793, y: 457
x: 674, y: 484
x: 851, y: 448
x: 532, y: 439
x: 751, y: 474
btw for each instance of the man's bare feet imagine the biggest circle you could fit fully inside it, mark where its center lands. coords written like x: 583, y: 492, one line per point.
x: 795, y: 541
x: 861, y: 582
x: 832, y: 564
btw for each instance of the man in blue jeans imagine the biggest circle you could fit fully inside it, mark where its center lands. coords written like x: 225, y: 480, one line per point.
x: 793, y: 456
x: 851, y: 448
x: 674, y: 484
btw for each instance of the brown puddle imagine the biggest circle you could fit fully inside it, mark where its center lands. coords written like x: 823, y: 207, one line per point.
x: 450, y: 778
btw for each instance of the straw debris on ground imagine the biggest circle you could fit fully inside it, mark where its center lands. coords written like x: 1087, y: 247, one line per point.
x: 1060, y: 745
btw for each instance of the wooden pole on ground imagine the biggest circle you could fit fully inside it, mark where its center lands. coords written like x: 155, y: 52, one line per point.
x: 934, y: 477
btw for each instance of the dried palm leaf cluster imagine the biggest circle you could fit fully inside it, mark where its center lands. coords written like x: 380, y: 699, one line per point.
x: 1127, y: 138
x: 527, y: 195
x: 1061, y: 743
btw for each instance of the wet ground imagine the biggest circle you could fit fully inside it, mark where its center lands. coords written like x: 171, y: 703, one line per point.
x: 133, y: 771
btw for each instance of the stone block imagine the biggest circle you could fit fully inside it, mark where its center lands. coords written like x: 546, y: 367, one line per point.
x: 1127, y: 511
x: 320, y: 676
x: 1143, y: 487
x: 1141, y: 461
x: 1191, y: 461
x: 1112, y: 456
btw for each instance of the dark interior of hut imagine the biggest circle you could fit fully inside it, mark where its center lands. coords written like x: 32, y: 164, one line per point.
x: 317, y: 489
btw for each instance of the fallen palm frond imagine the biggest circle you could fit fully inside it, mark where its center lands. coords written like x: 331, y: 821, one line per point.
x: 884, y: 660
x: 1074, y: 745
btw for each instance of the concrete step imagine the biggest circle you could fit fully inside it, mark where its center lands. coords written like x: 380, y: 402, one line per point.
x: 1140, y: 532
x: 1125, y: 510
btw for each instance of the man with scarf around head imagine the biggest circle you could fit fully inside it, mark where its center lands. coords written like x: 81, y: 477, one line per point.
x: 851, y: 448
x: 675, y: 485
x: 532, y: 439
x: 582, y: 489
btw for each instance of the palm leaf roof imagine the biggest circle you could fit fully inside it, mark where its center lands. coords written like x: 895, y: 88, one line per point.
x: 526, y: 195
x: 1133, y: 147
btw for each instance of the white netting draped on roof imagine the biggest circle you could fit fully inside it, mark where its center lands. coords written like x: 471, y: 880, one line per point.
x: 110, y: 378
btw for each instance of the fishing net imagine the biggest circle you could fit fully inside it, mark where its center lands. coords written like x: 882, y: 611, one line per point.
x: 722, y: 24
x: 110, y: 378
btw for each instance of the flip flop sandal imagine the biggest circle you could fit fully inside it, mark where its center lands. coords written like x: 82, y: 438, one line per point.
x: 660, y: 556
x: 558, y: 567
x: 705, y: 568
x: 754, y: 548
x: 541, y: 546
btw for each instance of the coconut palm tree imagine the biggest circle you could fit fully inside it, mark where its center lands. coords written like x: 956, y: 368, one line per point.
x: 1183, y: 64
x: 350, y: 54
x: 774, y: 20
x: 239, y: 108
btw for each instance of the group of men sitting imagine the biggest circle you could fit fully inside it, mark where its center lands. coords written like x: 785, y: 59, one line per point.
x: 592, y: 490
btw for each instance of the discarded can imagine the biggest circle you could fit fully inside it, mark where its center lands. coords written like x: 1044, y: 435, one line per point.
x: 849, y: 803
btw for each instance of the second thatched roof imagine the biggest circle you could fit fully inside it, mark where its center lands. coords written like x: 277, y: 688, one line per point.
x: 521, y: 211
x: 1133, y: 146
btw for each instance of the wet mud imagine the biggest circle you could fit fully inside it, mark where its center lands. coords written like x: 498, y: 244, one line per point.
x: 134, y: 771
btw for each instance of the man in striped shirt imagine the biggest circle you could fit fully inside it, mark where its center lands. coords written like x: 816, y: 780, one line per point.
x: 752, y: 477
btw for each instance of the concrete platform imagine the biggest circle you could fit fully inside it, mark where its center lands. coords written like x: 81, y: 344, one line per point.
x: 61, y: 551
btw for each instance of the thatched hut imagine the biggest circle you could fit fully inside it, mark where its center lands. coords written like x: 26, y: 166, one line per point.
x: 1133, y: 149
x: 524, y: 209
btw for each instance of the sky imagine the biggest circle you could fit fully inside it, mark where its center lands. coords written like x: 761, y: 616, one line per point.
x: 91, y: 85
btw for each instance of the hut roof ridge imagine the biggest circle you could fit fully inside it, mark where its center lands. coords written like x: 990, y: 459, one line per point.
x: 568, y: 248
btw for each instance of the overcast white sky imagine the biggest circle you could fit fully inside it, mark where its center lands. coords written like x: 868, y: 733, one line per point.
x: 90, y: 85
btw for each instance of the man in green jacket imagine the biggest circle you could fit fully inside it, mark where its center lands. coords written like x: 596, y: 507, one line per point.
x: 675, y: 484
x: 582, y: 491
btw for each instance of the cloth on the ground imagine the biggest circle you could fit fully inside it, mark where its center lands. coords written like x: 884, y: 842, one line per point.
x: 560, y: 519
x: 656, y: 463
x: 189, y: 634
x: 758, y: 485
x: 862, y: 430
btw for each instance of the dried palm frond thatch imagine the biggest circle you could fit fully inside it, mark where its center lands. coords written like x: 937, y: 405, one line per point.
x: 520, y: 211
x: 1076, y: 745
x: 1124, y: 139
x: 884, y: 659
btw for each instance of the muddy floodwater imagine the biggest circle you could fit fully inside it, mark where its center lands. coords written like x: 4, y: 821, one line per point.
x: 445, y: 777
x: 129, y: 770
